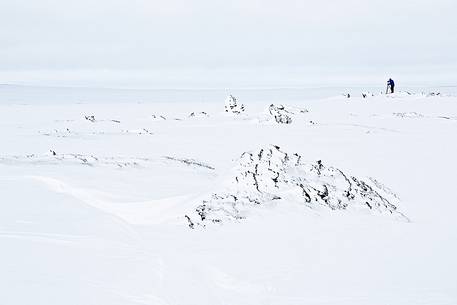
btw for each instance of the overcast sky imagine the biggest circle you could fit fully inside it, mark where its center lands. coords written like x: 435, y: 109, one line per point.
x: 184, y: 40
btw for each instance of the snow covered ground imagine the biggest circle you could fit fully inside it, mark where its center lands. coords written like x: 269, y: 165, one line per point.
x: 93, y: 201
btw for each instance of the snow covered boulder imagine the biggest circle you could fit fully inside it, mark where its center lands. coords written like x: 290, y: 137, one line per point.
x: 90, y: 118
x: 272, y: 175
x: 280, y: 114
x: 233, y: 106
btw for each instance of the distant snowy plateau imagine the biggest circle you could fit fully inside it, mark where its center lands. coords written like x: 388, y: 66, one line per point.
x: 335, y: 201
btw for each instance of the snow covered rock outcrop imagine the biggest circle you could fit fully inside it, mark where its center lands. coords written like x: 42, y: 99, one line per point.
x: 200, y: 114
x: 272, y: 175
x: 282, y: 114
x: 90, y: 118
x: 233, y: 106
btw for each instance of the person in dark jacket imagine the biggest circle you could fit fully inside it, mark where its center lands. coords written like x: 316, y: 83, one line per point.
x: 390, y: 85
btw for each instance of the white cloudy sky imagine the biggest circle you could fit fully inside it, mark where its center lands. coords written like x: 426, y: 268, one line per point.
x: 258, y: 40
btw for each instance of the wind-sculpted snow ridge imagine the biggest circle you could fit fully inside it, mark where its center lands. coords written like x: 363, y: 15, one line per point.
x: 407, y: 94
x: 416, y: 115
x: 282, y: 114
x: 67, y: 133
x: 408, y: 115
x: 233, y: 106
x: 190, y: 162
x: 54, y: 158
x: 272, y: 175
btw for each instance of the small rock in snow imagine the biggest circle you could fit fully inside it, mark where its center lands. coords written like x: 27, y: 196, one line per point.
x: 233, y: 106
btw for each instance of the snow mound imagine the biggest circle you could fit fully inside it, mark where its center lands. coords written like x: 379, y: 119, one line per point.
x: 282, y: 114
x: 67, y: 133
x: 272, y: 175
x: 233, y: 106
x: 407, y: 94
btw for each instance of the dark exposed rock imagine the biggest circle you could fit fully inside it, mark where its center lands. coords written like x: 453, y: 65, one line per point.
x: 90, y: 118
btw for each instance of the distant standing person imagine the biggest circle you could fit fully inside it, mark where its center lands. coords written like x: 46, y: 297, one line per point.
x: 390, y: 85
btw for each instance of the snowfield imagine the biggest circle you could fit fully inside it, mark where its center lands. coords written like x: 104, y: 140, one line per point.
x: 335, y: 201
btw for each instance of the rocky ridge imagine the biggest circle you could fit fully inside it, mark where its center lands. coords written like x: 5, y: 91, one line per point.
x: 272, y: 175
